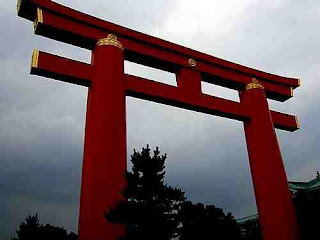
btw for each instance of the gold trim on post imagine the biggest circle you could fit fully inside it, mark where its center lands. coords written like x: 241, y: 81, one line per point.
x: 299, y: 81
x: 35, y: 59
x: 297, y: 122
x: 192, y: 62
x: 39, y: 19
x: 291, y: 92
x: 111, y: 39
x: 254, y: 84
x: 19, y: 6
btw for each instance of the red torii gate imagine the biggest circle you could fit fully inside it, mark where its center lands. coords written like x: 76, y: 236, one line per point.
x: 105, y: 134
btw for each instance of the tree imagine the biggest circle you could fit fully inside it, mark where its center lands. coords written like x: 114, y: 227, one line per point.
x: 154, y: 210
x: 28, y: 229
x: 252, y: 230
x: 31, y: 229
x: 308, y: 211
x: 207, y: 222
x: 151, y: 208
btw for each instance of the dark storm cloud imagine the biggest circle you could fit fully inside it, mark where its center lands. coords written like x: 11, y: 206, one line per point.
x: 42, y: 120
x: 206, y: 155
x: 277, y: 36
x: 141, y: 15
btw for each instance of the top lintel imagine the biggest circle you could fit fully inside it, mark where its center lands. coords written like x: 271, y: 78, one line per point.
x: 28, y: 9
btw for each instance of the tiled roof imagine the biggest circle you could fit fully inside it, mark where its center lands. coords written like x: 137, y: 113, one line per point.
x: 248, y: 218
x: 306, y: 186
x: 294, y: 187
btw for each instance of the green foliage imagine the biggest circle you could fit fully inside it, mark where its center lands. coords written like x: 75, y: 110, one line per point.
x: 152, y: 207
x: 154, y: 210
x: 207, y: 222
x: 307, y: 208
x: 31, y: 229
x: 251, y: 230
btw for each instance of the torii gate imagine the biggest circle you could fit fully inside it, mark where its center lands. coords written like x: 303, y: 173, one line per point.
x: 105, y: 134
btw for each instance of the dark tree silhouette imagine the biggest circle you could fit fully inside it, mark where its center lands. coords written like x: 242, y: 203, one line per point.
x: 308, y: 211
x: 152, y: 207
x: 252, y: 230
x: 307, y: 208
x: 31, y: 229
x: 207, y: 222
x: 154, y: 210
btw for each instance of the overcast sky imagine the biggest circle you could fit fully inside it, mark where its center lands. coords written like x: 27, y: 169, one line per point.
x: 42, y: 121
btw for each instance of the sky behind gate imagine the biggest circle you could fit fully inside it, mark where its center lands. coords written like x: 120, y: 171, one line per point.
x: 42, y: 120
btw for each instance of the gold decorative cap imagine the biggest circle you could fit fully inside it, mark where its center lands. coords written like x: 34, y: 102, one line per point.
x: 192, y: 62
x: 254, y: 84
x: 35, y: 59
x: 19, y: 5
x: 297, y: 122
x: 111, y: 39
x: 38, y: 20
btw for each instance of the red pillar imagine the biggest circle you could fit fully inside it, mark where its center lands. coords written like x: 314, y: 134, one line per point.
x: 105, y: 142
x: 276, y: 213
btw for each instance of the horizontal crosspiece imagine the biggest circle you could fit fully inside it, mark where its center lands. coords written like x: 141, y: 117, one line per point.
x: 84, y: 31
x: 146, y: 54
x: 60, y: 68
x: 76, y: 72
x: 173, y: 96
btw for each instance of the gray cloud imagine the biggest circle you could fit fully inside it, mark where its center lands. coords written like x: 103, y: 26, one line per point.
x: 42, y: 120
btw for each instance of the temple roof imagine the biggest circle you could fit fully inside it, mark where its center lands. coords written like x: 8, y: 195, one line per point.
x: 253, y: 217
x: 294, y: 187
x: 305, y: 186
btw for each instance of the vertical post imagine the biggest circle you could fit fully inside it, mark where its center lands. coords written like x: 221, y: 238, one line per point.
x: 105, y: 143
x: 276, y: 213
x: 189, y: 82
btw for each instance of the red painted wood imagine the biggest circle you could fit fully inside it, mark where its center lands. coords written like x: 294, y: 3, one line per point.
x: 64, y: 29
x: 276, y: 213
x: 284, y: 121
x: 237, y: 80
x: 63, y: 69
x: 105, y: 142
x: 105, y: 146
x: 80, y: 73
x: 189, y: 82
x: 166, y: 94
x: 28, y: 11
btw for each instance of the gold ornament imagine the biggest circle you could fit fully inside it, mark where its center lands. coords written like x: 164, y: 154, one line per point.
x: 297, y: 122
x: 19, y: 5
x: 254, y: 84
x: 35, y: 59
x: 111, y: 39
x: 39, y: 19
x: 192, y: 62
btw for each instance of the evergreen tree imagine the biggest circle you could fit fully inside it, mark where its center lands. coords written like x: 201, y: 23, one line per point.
x: 154, y: 210
x: 31, y: 229
x: 151, y: 208
x: 201, y: 221
x: 307, y: 208
x: 28, y: 229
